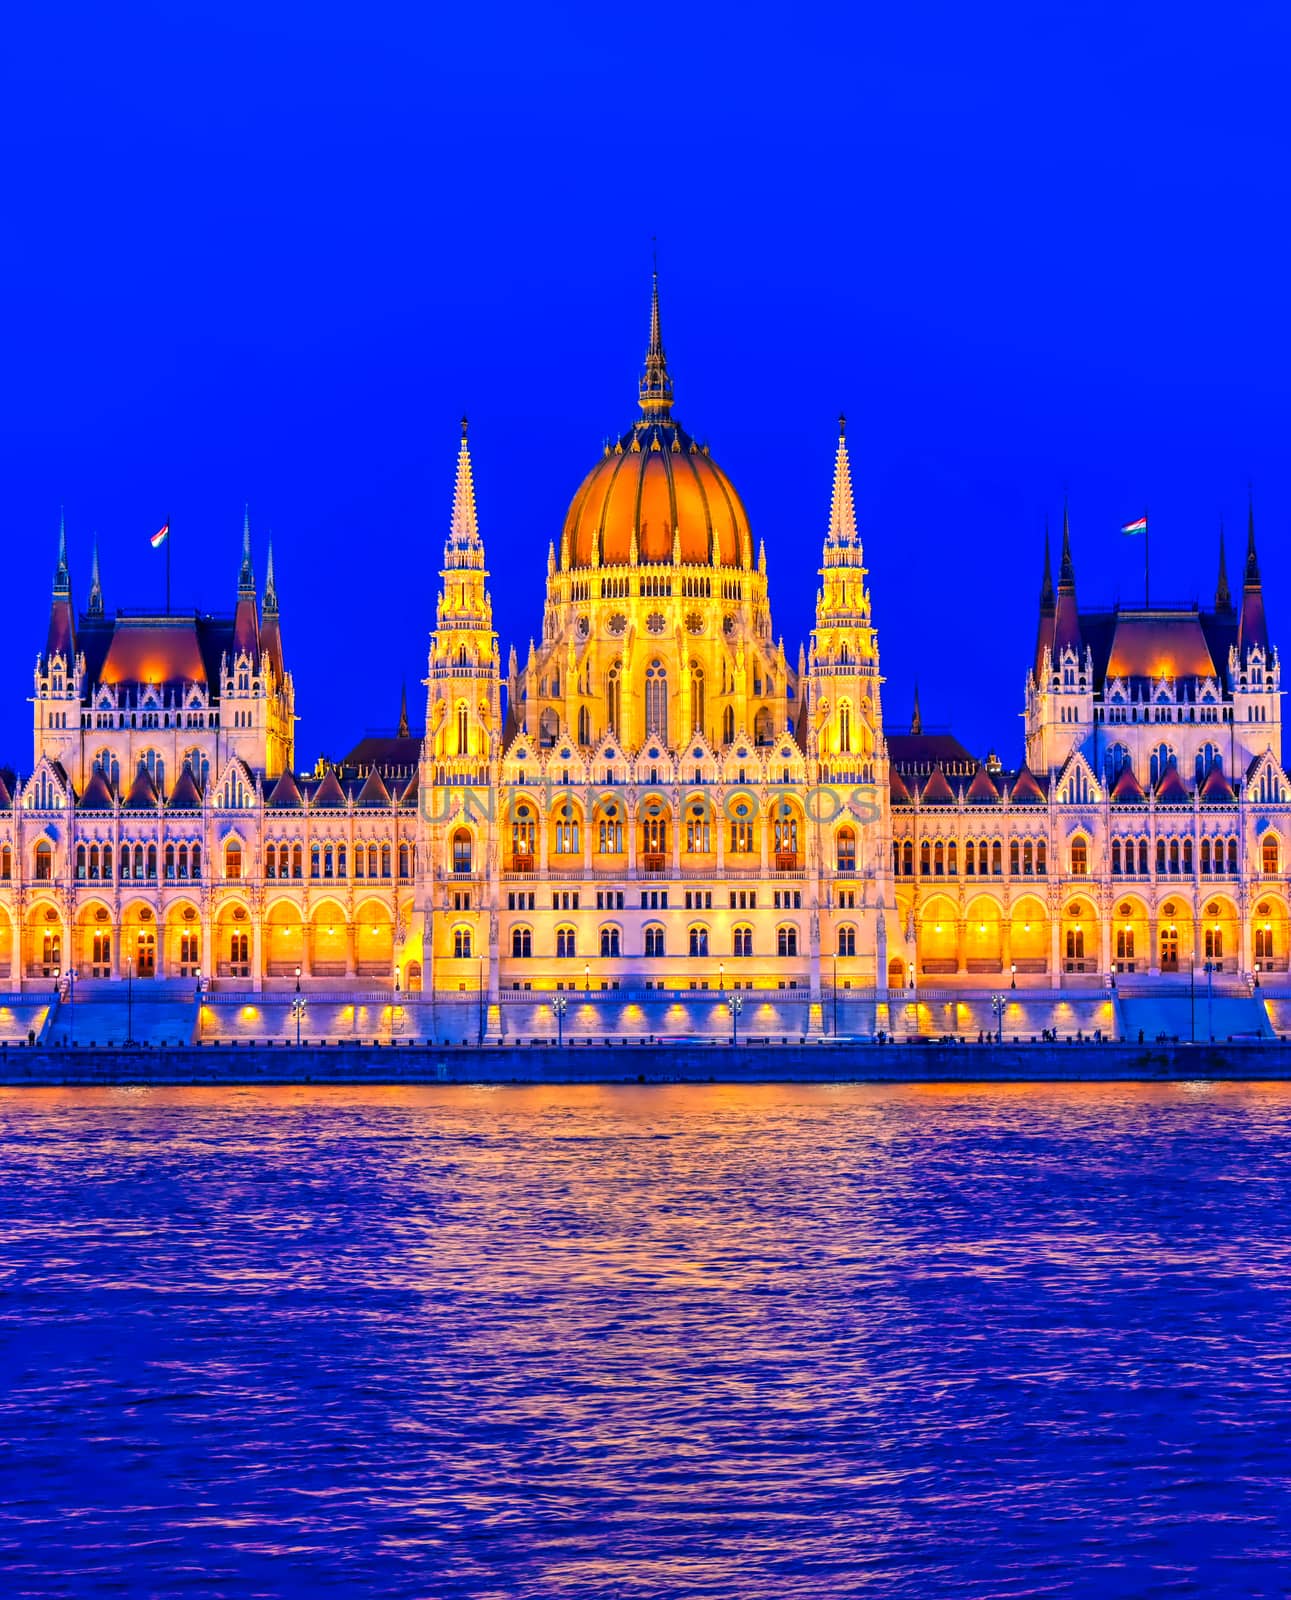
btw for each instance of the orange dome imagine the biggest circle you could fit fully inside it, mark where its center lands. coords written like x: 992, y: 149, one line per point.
x: 656, y: 484
x: 657, y: 489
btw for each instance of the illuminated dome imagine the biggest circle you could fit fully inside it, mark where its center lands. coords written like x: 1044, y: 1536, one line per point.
x: 656, y: 495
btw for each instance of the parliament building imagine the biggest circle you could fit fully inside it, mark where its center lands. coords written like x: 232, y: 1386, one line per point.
x: 657, y: 813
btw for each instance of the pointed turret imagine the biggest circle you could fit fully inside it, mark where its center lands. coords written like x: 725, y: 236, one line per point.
x: 916, y: 718
x: 1223, y: 595
x: 655, y: 391
x: 842, y: 505
x: 1048, y: 603
x: 1066, y: 617
x: 1252, y: 629
x: 246, y: 623
x: 1046, y: 582
x: 61, y: 639
x: 464, y: 531
x: 403, y: 713
x: 270, y: 627
x: 95, y: 606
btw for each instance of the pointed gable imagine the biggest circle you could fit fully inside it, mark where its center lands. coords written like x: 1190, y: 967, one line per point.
x: 6, y: 798
x: 409, y: 795
x: 937, y: 791
x: 1172, y: 789
x: 286, y: 794
x: 1216, y: 790
x: 897, y: 789
x: 185, y: 796
x: 1127, y: 790
x: 373, y: 792
x: 1026, y: 790
x: 329, y: 795
x: 982, y: 791
x: 143, y: 791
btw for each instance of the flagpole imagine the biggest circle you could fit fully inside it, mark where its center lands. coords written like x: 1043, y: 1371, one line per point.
x: 167, y: 566
x: 1147, y: 557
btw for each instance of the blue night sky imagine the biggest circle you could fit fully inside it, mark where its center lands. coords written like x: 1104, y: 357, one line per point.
x: 272, y: 253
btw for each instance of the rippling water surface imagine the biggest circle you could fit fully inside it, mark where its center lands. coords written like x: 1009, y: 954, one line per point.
x: 660, y: 1341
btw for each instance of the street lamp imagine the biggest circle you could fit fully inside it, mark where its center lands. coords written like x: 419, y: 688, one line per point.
x: 1013, y: 975
x: 197, y: 995
x: 1210, y: 1013
x: 737, y: 1005
x: 298, y: 1011
x: 560, y: 1005
x: 1257, y: 974
x: 297, y: 980
x: 129, y: 1038
x: 998, y: 1003
x: 721, y: 976
x: 587, y: 978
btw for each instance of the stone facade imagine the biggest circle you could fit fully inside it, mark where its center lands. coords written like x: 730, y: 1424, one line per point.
x: 659, y: 799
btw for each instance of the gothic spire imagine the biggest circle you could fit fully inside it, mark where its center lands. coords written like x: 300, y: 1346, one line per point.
x: 916, y: 719
x: 270, y: 588
x: 246, y: 576
x: 1223, y: 595
x: 842, y: 506
x: 403, y: 713
x: 62, y: 573
x: 95, y: 606
x: 1046, y: 583
x: 1066, y: 567
x: 465, y: 529
x: 655, y: 390
x: 1252, y: 578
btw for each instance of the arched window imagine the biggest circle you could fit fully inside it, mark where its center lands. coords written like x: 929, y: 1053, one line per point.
x: 522, y: 943
x: 462, y: 944
x: 654, y: 831
x: 567, y: 841
x: 698, y: 837
x: 610, y: 942
x: 728, y: 725
x: 156, y: 765
x: 463, y: 730
x: 198, y: 765
x: 462, y: 850
x: 846, y: 846
x: 297, y: 861
x: 1079, y: 857
x: 907, y: 858
x: 566, y: 944
x: 152, y: 863
x: 329, y: 861
x: 1115, y: 762
x: 584, y: 726
x: 699, y: 941
x: 523, y: 831
x: 1163, y: 758
x: 610, y: 831
x: 80, y: 861
x: 168, y: 863
x: 405, y: 862
x: 656, y: 701
x: 1214, y: 942
x: 743, y: 828
x: 847, y: 941
x: 845, y: 727
x: 44, y: 862
x: 1116, y: 857
x: 697, y: 699
x: 742, y: 942
x: 763, y: 727
x: 925, y: 859
x: 106, y: 763
x: 1269, y: 853
x: 195, y: 856
x: 315, y: 861
x: 614, y: 700
x: 1232, y: 858
x: 654, y: 942
x: 786, y: 940
x: 786, y: 835
x: 6, y: 863
x: 233, y: 859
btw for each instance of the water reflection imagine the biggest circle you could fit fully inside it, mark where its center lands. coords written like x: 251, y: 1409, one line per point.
x: 669, y: 1340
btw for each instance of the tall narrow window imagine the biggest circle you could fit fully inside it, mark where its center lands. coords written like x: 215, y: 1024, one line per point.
x: 614, y: 700
x: 656, y: 701
x: 697, y: 699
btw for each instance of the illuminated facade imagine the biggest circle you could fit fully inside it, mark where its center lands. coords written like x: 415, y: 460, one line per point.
x: 658, y: 798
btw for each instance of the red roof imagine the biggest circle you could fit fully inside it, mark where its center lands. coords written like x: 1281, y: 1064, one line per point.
x: 1026, y: 789
x: 143, y: 791
x: 1172, y: 788
x: 982, y: 791
x: 1217, y: 790
x: 329, y: 794
x: 897, y: 789
x: 286, y: 794
x: 937, y: 792
x: 1127, y: 790
x: 163, y: 652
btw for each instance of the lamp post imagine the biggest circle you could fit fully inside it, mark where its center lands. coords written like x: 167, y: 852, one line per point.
x: 587, y: 978
x: 737, y: 1005
x: 129, y: 1039
x: 559, y: 1005
x: 1210, y: 1012
x: 1013, y: 975
x: 914, y: 1001
x: 998, y: 1003
x: 1257, y: 974
x: 298, y: 1011
x: 479, y: 984
x: 835, y: 997
x: 721, y: 976
x: 1192, y: 996
x: 297, y: 980
x: 197, y: 995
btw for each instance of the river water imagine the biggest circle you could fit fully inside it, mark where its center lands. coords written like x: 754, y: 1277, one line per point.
x: 646, y: 1341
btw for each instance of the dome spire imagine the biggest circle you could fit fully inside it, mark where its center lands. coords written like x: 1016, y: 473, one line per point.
x: 842, y: 506
x: 95, y: 607
x: 465, y: 526
x: 655, y: 391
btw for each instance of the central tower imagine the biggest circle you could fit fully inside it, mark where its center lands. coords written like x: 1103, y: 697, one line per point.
x: 656, y: 626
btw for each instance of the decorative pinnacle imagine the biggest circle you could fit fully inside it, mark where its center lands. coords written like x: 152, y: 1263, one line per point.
x: 1067, y: 567
x: 842, y: 507
x: 916, y: 719
x: 1046, y: 583
x: 465, y: 529
x: 96, y: 588
x: 1223, y: 595
x: 403, y: 713
x: 246, y: 577
x: 1252, y: 576
x: 270, y: 588
x: 655, y: 390
x: 62, y: 574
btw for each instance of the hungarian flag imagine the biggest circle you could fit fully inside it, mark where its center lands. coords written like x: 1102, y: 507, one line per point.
x: 1140, y: 525
x: 159, y: 538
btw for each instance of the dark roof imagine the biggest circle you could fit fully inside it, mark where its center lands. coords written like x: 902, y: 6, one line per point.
x: 385, y: 753
x: 1142, y: 643
x: 166, y: 651
x: 97, y: 796
x: 143, y: 791
x: 921, y: 752
x: 1127, y: 790
x: 329, y: 793
x: 286, y: 794
x: 1217, y: 790
x: 185, y: 796
x: 373, y: 792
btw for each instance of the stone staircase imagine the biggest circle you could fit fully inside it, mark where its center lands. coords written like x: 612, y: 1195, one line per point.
x: 158, y: 1012
x: 1178, y: 1016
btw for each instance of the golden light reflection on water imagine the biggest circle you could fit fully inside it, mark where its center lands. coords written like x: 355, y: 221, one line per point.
x: 705, y: 1339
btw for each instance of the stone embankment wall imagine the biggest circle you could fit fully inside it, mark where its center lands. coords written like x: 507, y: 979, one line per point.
x: 640, y: 1062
